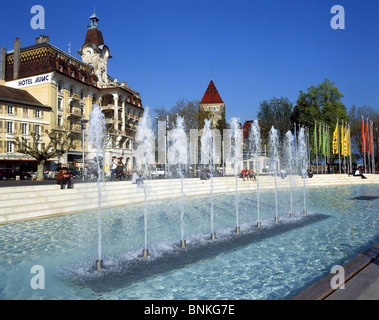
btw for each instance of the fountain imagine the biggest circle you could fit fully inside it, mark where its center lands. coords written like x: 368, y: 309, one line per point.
x: 95, y: 141
x: 236, y: 134
x: 145, y: 157
x: 288, y: 159
x: 207, y: 146
x: 255, y: 139
x: 303, y: 162
x: 274, y: 154
x: 178, y: 155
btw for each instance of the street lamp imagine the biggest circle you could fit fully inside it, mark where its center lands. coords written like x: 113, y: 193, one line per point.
x: 83, y: 127
x: 167, y: 122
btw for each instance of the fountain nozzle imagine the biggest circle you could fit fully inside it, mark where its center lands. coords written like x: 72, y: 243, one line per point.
x: 291, y: 215
x: 238, y: 230
x: 213, y: 236
x: 145, y: 253
x: 276, y: 219
x: 99, y: 265
x: 305, y: 211
x: 259, y: 224
x: 182, y: 243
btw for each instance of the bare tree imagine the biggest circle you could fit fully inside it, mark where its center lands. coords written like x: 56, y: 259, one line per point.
x: 59, y: 143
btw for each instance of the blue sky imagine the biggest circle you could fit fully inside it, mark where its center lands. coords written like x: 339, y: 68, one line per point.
x: 254, y: 50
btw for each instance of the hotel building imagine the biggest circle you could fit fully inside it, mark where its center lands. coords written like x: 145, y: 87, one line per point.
x: 43, y: 88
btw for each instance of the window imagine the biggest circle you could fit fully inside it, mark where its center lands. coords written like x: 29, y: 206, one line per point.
x: 37, y: 129
x: 9, y: 146
x: 60, y: 107
x: 60, y: 123
x: 38, y: 113
x: 24, y: 128
x: 10, y: 109
x: 9, y: 127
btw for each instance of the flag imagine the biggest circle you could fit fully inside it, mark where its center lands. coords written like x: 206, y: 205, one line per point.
x: 315, y: 138
x: 324, y: 140
x: 345, y: 146
x: 319, y: 138
x: 335, y: 140
x: 370, y: 139
x: 363, y: 137
x: 348, y: 141
x: 366, y: 137
x: 342, y: 140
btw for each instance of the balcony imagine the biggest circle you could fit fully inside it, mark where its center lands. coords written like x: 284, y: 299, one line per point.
x: 75, y: 96
x: 109, y: 121
x: 75, y: 128
x: 107, y: 107
x: 74, y: 113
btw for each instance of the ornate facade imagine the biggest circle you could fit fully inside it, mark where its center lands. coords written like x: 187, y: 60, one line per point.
x: 70, y: 87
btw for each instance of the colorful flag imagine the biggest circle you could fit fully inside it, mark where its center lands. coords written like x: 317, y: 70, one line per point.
x: 363, y: 137
x: 342, y: 140
x: 324, y: 140
x: 335, y: 140
x: 345, y: 146
x: 348, y: 141
x: 366, y: 137
x: 370, y: 138
x: 315, y: 138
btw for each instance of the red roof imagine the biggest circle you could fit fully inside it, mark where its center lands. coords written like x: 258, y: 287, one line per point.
x: 211, y: 95
x: 94, y: 36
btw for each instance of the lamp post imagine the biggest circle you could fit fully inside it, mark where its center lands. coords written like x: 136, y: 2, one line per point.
x: 167, y: 122
x: 83, y: 127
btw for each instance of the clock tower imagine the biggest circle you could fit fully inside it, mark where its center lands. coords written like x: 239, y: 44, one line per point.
x: 94, y: 51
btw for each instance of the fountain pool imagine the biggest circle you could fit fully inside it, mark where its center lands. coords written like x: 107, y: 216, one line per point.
x: 275, y: 261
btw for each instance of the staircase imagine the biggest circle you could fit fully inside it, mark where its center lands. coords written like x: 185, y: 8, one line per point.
x: 42, y: 201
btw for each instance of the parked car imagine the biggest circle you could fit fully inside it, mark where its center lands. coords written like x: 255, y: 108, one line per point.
x: 12, y: 173
x: 158, y: 172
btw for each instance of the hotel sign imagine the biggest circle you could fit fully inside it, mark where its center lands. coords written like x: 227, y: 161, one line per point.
x: 31, y: 81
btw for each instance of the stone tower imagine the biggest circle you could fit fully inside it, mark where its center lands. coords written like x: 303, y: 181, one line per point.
x: 95, y: 52
x: 213, y: 104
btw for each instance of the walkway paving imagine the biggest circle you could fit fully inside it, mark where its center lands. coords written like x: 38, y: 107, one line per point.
x: 361, y: 280
x: 363, y: 286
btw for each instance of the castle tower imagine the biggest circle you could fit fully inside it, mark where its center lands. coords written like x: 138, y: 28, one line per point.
x: 94, y: 51
x: 213, y: 104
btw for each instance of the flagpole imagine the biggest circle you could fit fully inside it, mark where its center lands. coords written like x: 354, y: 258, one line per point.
x: 365, y: 138
x: 316, y: 145
x: 364, y: 143
x: 309, y: 149
x: 373, y: 147
x: 344, y: 146
x: 324, y: 146
x: 351, y: 162
x: 339, y: 149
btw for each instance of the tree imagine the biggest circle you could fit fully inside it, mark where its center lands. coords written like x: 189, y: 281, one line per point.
x: 321, y: 103
x: 275, y: 112
x: 59, y: 143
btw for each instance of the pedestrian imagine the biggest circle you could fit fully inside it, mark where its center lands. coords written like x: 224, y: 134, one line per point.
x: 119, y: 168
x: 113, y: 168
x: 63, y: 178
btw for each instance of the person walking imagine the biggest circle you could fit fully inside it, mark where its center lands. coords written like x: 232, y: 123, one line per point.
x: 114, y: 167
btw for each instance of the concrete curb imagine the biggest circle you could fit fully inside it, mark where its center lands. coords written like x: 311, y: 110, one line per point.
x: 322, y: 288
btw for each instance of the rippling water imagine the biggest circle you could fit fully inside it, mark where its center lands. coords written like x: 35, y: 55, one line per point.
x: 274, y: 262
